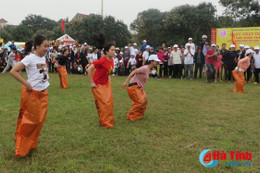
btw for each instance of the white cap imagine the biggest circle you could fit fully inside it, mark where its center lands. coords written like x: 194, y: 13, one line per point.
x: 71, y: 47
x: 249, y: 51
x: 169, y: 48
x: 241, y: 45
x: 153, y: 58
x: 213, y: 45
x: 247, y: 47
x: 256, y: 48
x: 85, y: 43
x: 188, y: 45
x: 135, y: 44
x: 74, y: 45
x: 126, y: 47
x: 147, y: 47
x: 132, y: 54
x: 144, y: 41
x: 90, y: 48
x: 190, y: 39
x: 204, y: 36
x: 121, y: 53
x: 232, y: 45
x: 177, y: 45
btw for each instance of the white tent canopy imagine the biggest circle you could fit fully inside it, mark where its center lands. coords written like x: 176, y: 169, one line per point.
x: 66, y: 39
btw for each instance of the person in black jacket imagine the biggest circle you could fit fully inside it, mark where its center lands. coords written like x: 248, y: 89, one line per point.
x: 231, y: 61
x: 199, y: 61
x: 224, y: 53
x: 84, y: 60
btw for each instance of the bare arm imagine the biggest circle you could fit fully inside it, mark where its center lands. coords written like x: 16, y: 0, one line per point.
x: 128, y: 78
x: 15, y: 73
x: 90, y: 69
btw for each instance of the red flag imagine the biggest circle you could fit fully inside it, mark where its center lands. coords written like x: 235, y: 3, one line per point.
x: 62, y: 25
x: 234, y: 39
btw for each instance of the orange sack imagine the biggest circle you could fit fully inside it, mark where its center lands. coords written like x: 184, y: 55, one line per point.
x: 104, y: 104
x: 139, y: 102
x: 63, y: 76
x: 32, y: 115
x: 240, y: 81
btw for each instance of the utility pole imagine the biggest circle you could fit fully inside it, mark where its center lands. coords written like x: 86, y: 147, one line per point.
x: 102, y: 8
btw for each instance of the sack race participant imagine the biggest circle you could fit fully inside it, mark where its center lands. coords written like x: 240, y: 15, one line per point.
x: 238, y: 73
x: 135, y: 88
x: 98, y: 74
x: 34, y: 96
x: 63, y: 75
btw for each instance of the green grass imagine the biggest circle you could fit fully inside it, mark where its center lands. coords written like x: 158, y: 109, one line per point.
x: 182, y: 119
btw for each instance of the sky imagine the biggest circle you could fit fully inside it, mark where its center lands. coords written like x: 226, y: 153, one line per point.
x: 125, y: 10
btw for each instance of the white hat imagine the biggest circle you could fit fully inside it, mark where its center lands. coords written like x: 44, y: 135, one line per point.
x: 204, y: 36
x: 249, y: 51
x: 241, y: 45
x: 121, y: 53
x: 257, y: 48
x: 147, y: 47
x: 247, y: 47
x: 85, y: 43
x: 177, y: 45
x: 232, y: 45
x: 188, y: 45
x: 74, y: 45
x: 144, y: 41
x: 135, y: 44
x: 190, y: 39
x: 153, y: 58
x: 90, y: 48
x: 213, y: 45
x: 169, y: 48
x: 126, y: 47
x: 71, y: 47
x: 132, y: 54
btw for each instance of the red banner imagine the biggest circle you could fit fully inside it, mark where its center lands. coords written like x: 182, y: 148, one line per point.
x: 213, y: 35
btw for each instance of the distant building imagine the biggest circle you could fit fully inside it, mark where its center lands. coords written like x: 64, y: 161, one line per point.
x: 2, y: 23
x: 80, y: 16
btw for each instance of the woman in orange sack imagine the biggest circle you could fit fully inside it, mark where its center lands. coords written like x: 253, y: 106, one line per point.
x: 135, y: 88
x: 238, y: 73
x: 34, y: 96
x: 98, y: 74
x: 61, y: 60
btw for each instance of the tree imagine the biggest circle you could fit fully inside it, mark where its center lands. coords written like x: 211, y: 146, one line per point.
x: 149, y: 25
x: 247, y: 11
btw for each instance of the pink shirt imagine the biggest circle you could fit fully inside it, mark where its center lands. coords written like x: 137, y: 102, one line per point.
x: 244, y: 63
x: 218, y: 60
x: 141, y: 75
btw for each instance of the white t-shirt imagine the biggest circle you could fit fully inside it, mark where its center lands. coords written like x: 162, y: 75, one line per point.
x: 188, y: 59
x: 93, y: 57
x: 115, y: 61
x: 37, y: 72
x: 257, y: 60
x: 146, y: 55
x: 136, y: 51
x: 192, y: 46
x: 176, y: 57
x: 132, y: 61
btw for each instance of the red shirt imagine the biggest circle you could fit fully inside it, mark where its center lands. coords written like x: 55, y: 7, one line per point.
x: 211, y: 59
x: 17, y: 58
x: 104, y: 68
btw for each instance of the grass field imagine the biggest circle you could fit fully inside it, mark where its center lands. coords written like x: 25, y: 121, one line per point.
x: 183, y: 118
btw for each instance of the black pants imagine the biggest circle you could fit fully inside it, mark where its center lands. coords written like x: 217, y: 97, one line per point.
x: 177, y: 71
x: 164, y: 69
x: 224, y: 67
x: 257, y: 71
x: 230, y: 68
x: 248, y: 74
x: 170, y: 69
x: 198, y: 67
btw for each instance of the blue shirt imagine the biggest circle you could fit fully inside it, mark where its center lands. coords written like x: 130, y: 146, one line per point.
x: 143, y: 47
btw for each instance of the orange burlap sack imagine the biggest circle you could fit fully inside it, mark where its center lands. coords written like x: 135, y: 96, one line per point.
x: 240, y: 81
x: 32, y: 115
x: 139, y: 102
x: 63, y: 76
x: 104, y: 103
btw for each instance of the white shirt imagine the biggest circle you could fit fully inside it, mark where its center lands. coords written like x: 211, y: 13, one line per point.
x: 146, y: 55
x: 188, y: 59
x: 192, y: 46
x: 176, y: 56
x: 37, y: 72
x: 115, y: 61
x: 132, y: 61
x: 257, y: 60
x: 93, y: 57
